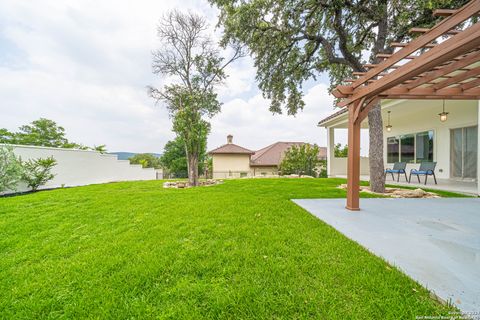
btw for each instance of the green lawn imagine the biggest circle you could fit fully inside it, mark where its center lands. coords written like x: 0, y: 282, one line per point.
x: 240, y: 250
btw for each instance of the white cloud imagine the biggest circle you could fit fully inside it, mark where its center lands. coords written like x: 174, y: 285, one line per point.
x: 253, y: 126
x: 85, y: 64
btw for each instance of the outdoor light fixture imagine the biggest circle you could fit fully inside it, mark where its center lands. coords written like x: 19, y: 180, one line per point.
x: 443, y: 115
x: 389, y: 126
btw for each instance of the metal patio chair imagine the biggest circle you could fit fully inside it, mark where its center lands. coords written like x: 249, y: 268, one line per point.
x: 426, y: 169
x: 398, y: 168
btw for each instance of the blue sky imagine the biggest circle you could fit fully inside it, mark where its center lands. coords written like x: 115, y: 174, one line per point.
x: 85, y: 64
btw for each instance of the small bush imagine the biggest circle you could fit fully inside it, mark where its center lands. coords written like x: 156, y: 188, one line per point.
x: 37, y: 172
x: 10, y: 169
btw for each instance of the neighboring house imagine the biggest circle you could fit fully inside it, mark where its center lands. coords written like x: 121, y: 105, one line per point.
x: 234, y: 161
x: 418, y: 135
x: 231, y: 160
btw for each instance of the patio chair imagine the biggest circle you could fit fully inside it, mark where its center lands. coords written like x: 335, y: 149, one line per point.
x: 398, y: 168
x: 426, y: 169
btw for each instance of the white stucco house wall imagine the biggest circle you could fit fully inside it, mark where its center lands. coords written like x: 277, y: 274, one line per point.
x: 417, y: 135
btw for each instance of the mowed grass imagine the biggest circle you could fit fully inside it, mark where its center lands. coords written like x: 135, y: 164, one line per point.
x: 240, y: 250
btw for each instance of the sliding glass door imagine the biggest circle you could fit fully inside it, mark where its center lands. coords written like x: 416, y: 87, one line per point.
x: 463, y: 152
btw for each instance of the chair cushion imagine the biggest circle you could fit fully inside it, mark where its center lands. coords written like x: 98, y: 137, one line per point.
x: 392, y: 171
x: 419, y: 172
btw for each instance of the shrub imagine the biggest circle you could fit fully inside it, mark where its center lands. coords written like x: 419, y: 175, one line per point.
x: 302, y: 160
x: 10, y: 169
x: 37, y: 172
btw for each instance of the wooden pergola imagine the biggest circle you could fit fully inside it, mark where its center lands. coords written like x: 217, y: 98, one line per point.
x: 442, y: 63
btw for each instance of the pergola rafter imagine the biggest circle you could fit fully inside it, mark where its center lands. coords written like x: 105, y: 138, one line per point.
x: 442, y: 63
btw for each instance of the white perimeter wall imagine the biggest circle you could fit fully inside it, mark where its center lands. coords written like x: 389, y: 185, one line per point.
x: 338, y: 167
x: 81, y: 167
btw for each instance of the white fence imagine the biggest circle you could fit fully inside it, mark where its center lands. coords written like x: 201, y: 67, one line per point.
x: 82, y: 167
x: 338, y: 167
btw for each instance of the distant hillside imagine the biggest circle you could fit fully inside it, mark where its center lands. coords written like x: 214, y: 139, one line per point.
x: 128, y: 155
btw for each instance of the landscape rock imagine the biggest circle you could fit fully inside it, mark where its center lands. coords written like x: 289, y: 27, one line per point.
x: 184, y: 184
x: 399, y: 192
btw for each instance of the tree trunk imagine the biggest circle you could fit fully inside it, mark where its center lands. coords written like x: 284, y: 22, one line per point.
x: 375, y: 124
x: 193, y: 170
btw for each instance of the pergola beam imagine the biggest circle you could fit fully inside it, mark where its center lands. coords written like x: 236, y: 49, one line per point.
x: 455, y: 91
x: 471, y: 84
x: 458, y: 78
x: 425, y: 30
x: 402, y: 45
x: 440, y: 29
x: 449, y: 68
x: 443, y: 12
x: 388, y: 55
x: 447, y: 50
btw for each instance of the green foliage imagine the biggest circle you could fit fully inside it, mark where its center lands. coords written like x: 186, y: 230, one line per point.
x: 339, y: 151
x: 323, y: 169
x: 292, y: 42
x: 7, y: 136
x: 174, y: 159
x: 101, y: 148
x: 43, y: 132
x: 147, y: 160
x: 37, y: 172
x: 301, y: 160
x: 239, y: 250
x: 10, y: 169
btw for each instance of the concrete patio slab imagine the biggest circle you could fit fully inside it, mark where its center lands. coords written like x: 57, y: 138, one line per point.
x: 434, y: 241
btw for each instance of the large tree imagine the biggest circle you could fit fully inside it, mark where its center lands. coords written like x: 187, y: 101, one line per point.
x: 194, y: 67
x: 294, y: 41
x: 43, y: 132
x: 174, y: 160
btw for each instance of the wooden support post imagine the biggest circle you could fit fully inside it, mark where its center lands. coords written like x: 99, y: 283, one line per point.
x: 353, y: 166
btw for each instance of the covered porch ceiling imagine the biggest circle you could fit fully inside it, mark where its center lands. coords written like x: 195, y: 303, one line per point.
x: 401, y: 109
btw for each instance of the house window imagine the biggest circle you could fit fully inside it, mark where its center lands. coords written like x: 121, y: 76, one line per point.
x: 410, y: 148
x: 424, y: 146
x: 393, y: 147
x: 407, y: 148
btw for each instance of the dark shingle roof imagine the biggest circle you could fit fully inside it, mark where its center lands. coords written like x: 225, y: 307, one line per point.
x: 332, y: 116
x: 273, y: 154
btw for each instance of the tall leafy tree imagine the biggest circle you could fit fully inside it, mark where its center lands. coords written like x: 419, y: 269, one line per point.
x: 174, y: 160
x: 7, y: 136
x: 42, y: 132
x: 193, y: 63
x: 294, y: 41
x: 46, y: 133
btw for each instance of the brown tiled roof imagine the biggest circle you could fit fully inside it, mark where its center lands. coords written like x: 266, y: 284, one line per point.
x: 231, y: 148
x: 273, y: 154
x: 332, y: 116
